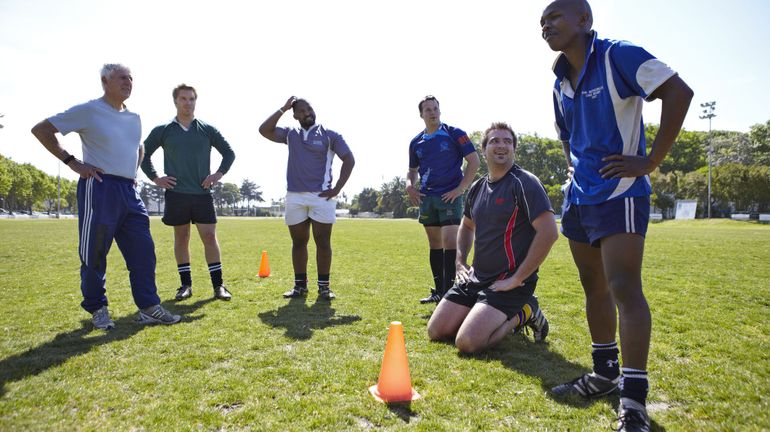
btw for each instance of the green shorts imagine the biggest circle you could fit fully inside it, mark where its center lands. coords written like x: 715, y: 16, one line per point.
x: 435, y: 212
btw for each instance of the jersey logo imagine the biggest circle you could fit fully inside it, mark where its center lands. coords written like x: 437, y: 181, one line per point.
x: 500, y: 201
x: 463, y: 139
x: 592, y: 93
x: 444, y: 146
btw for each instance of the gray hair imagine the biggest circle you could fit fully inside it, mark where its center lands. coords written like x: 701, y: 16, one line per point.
x: 109, y: 68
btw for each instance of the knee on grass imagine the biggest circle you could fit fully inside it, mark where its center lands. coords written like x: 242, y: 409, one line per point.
x: 468, y: 345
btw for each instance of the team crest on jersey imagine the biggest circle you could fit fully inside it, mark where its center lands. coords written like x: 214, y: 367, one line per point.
x: 500, y: 201
x: 444, y: 146
x: 317, y: 143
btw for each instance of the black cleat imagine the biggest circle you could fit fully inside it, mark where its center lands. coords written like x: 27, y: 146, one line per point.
x: 295, y: 292
x: 183, y: 292
x: 632, y: 417
x: 589, y: 386
x: 434, y: 297
x: 222, y: 293
x: 326, y: 294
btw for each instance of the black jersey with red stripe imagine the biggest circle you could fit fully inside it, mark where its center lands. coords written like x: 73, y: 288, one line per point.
x: 502, y: 212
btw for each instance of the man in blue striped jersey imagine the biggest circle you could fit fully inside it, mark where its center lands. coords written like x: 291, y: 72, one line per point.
x: 436, y: 157
x: 600, y: 88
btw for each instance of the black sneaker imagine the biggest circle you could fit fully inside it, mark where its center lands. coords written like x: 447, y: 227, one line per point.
x: 222, y: 293
x: 183, y: 292
x: 434, y: 297
x: 632, y: 416
x: 589, y: 386
x: 325, y: 293
x: 297, y: 291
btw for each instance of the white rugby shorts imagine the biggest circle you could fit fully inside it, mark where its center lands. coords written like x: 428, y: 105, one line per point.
x: 303, y: 205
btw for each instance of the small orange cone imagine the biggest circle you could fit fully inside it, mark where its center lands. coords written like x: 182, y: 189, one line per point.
x: 264, y: 266
x: 394, y: 384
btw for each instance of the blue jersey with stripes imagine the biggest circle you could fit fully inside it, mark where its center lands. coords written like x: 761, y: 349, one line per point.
x: 602, y: 115
x: 439, y: 158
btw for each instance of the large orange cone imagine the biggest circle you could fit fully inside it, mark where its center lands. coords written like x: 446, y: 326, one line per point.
x: 264, y: 266
x: 394, y: 384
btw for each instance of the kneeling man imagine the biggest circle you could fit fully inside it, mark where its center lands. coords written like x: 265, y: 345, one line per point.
x: 510, y: 223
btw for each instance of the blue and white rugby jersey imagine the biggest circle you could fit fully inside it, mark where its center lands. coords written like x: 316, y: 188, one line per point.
x: 602, y: 116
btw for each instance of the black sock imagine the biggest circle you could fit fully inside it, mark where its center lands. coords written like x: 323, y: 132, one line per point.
x: 606, y: 359
x: 449, y: 269
x: 184, y: 273
x: 300, y: 280
x: 323, y: 282
x: 634, y: 385
x: 437, y: 268
x: 215, y: 270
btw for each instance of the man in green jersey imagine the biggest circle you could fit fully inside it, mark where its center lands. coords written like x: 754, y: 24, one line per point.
x: 187, y: 144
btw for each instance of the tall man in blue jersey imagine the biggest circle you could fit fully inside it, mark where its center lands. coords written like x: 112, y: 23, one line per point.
x: 108, y: 203
x: 509, y: 222
x: 187, y: 144
x: 598, y: 95
x: 436, y: 154
x: 310, y: 195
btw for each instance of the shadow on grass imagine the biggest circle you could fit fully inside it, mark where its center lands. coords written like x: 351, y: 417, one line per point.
x: 300, y: 320
x: 403, y: 410
x: 67, y: 345
x: 535, y: 359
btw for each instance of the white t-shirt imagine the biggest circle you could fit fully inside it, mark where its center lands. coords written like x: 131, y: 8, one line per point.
x: 110, y: 138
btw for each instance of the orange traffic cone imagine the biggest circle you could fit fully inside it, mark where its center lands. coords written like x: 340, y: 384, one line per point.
x: 264, y: 266
x: 394, y: 384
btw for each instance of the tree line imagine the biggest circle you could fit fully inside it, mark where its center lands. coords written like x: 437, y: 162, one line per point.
x: 24, y: 188
x: 740, y: 179
x: 740, y: 173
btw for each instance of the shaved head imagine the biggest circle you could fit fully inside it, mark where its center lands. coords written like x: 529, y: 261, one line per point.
x: 579, y: 7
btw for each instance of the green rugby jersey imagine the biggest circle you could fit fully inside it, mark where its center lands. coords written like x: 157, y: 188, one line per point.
x: 187, y: 154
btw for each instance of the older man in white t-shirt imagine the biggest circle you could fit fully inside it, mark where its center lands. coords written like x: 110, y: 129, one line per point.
x: 109, y: 206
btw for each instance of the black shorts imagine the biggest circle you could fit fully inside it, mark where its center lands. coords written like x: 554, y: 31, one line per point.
x: 182, y: 209
x: 507, y: 302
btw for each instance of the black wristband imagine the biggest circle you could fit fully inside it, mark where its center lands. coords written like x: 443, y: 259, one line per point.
x: 68, y: 159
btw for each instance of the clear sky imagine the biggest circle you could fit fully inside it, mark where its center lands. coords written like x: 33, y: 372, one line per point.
x: 363, y: 65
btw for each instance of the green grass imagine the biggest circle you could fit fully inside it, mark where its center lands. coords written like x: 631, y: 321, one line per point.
x: 263, y: 363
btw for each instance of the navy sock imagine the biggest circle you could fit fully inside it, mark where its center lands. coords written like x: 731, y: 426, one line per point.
x: 449, y: 269
x: 606, y: 359
x: 184, y: 273
x: 300, y: 280
x: 437, y: 268
x: 634, y: 385
x: 323, y: 282
x: 215, y: 270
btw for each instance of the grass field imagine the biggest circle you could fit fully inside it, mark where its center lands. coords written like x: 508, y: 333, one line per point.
x: 263, y: 363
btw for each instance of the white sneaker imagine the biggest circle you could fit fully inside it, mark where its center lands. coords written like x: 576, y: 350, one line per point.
x: 101, y: 319
x: 157, y: 315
